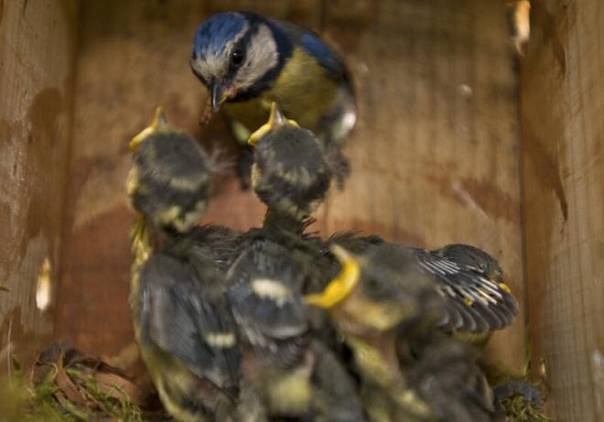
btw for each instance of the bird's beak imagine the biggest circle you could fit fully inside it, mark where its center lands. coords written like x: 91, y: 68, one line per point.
x: 158, y: 124
x: 218, y: 96
x: 342, y: 285
x: 275, y: 120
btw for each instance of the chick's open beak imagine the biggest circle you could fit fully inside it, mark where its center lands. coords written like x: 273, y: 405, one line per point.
x: 158, y: 124
x: 342, y: 285
x: 275, y: 120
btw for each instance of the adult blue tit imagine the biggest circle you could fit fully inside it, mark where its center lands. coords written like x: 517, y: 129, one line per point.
x: 187, y: 334
x: 248, y: 61
x: 170, y: 178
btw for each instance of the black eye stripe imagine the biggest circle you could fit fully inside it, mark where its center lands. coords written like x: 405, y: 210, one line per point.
x: 240, y: 46
x: 237, y: 57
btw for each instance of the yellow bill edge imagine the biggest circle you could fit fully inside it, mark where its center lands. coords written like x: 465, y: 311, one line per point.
x: 342, y: 285
x: 158, y: 124
x: 276, y: 119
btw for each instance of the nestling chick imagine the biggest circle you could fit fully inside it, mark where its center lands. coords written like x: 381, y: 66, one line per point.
x: 170, y: 179
x: 265, y: 283
x: 182, y: 319
x: 291, y: 177
x: 248, y: 61
x: 386, y: 307
x: 187, y: 334
x: 471, y: 281
x: 368, y: 301
x: 290, y: 174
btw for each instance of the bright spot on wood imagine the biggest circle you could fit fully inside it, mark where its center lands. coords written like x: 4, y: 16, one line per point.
x: 522, y: 25
x: 597, y: 371
x: 44, y: 286
x: 542, y: 369
x: 465, y: 90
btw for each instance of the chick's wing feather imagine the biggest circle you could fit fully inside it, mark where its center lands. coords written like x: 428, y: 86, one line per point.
x: 472, y: 293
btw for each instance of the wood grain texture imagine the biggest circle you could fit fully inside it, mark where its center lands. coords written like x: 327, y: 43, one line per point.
x: 37, y: 48
x: 435, y: 156
x: 563, y: 167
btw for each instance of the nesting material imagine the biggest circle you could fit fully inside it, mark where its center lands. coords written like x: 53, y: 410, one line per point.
x: 66, y: 385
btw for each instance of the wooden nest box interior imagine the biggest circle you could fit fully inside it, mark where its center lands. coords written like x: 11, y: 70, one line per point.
x: 458, y: 140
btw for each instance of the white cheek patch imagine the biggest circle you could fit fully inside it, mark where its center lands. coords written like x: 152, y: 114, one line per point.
x: 261, y: 57
x: 209, y: 68
x: 271, y: 289
x: 221, y: 340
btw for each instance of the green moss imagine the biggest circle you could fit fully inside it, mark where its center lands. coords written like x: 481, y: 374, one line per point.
x: 45, y: 401
x: 518, y: 409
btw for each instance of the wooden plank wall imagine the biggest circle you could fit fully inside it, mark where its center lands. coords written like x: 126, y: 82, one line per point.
x: 563, y: 167
x: 435, y: 155
x: 37, y: 48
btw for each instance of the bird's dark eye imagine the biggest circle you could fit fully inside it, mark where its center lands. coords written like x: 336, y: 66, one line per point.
x: 236, y: 57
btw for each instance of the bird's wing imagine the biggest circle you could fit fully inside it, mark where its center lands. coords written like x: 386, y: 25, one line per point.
x: 326, y: 57
x: 177, y: 317
x: 475, y: 301
x: 264, y: 296
x: 312, y: 44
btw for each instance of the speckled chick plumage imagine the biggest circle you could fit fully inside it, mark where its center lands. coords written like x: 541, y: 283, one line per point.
x: 182, y: 320
x: 265, y: 284
x: 290, y: 173
x: 187, y: 335
x: 170, y: 178
x: 372, y: 296
x: 387, y: 309
x: 471, y: 281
